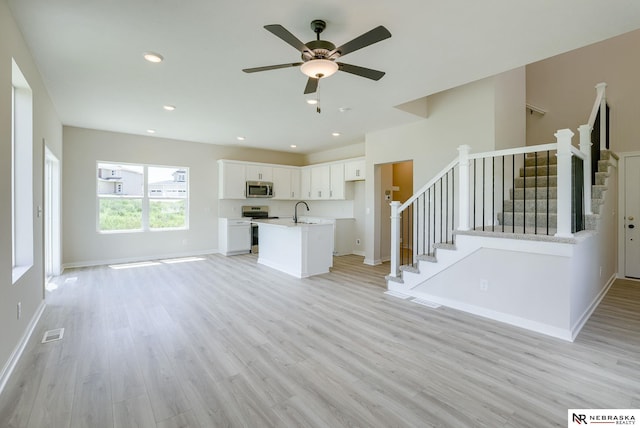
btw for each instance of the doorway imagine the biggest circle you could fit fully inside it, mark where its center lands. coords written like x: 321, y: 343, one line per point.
x: 396, y: 184
x: 52, y: 196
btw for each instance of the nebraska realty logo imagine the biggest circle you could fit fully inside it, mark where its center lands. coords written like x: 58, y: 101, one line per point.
x: 599, y: 417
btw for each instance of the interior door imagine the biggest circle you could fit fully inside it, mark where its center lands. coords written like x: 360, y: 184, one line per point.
x: 632, y: 217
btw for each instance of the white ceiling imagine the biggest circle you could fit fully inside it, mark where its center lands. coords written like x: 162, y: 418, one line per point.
x: 90, y: 55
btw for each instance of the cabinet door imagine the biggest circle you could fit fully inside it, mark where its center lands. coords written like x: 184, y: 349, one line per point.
x: 354, y: 170
x: 231, y: 180
x: 305, y: 183
x: 259, y: 173
x: 238, y: 238
x: 320, y: 182
x: 282, y: 183
x: 337, y: 190
x: 296, y: 192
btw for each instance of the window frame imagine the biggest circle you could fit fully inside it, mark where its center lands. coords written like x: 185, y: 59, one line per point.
x: 21, y: 176
x: 145, y: 199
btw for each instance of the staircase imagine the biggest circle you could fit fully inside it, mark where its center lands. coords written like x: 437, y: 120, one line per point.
x: 532, y: 204
x: 517, y: 235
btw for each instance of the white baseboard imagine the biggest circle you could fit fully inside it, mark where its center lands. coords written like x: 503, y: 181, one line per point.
x: 89, y: 263
x: 17, y: 352
x: 371, y: 262
x: 575, y: 329
x: 358, y: 253
x: 538, y: 327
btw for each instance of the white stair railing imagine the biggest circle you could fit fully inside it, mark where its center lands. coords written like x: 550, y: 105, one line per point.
x: 599, y: 107
x: 467, y: 197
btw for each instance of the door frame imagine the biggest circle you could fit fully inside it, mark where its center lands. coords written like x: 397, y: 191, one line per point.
x: 622, y: 188
x: 52, y: 190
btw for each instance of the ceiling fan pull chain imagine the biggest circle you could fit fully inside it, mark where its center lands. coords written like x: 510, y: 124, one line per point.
x: 318, y: 98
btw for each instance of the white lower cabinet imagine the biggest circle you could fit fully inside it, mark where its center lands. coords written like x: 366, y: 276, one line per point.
x: 234, y: 236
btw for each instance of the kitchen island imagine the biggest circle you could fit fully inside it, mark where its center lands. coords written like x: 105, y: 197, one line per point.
x: 299, y: 249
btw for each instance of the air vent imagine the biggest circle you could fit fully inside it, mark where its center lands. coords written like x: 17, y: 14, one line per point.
x: 427, y: 303
x: 53, y: 335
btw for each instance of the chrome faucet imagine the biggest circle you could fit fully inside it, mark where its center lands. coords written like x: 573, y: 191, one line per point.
x: 295, y: 210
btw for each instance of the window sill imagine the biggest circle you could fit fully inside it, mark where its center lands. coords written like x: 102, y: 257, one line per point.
x: 18, y: 272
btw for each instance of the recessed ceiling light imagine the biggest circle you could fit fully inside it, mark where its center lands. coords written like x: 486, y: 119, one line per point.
x: 153, y: 57
x: 335, y: 134
x: 151, y: 131
x: 169, y: 107
x: 312, y: 101
x: 240, y: 138
x: 344, y: 109
x: 293, y: 146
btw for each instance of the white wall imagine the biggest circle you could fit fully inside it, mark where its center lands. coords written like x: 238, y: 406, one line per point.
x: 596, y: 262
x: 83, y: 245
x: 29, y: 289
x: 464, y: 115
x: 529, y: 289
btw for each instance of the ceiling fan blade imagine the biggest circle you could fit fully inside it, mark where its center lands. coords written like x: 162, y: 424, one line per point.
x: 360, y: 71
x: 373, y: 36
x: 312, y: 85
x: 281, y: 32
x: 271, y: 67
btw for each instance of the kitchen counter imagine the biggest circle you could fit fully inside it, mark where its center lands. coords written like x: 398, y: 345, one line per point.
x: 300, y: 249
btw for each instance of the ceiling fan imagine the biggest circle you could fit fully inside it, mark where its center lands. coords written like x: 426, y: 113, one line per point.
x: 319, y: 56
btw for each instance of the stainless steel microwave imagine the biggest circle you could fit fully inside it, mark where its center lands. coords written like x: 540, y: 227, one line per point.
x: 259, y: 189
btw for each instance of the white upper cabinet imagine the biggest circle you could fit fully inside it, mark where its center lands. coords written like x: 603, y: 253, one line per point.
x: 305, y: 183
x: 320, y: 182
x: 231, y: 180
x: 354, y: 170
x: 336, y: 181
x: 296, y: 191
x: 259, y: 173
x: 284, y: 183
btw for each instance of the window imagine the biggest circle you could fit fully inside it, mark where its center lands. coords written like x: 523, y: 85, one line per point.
x: 123, y: 204
x: 21, y: 174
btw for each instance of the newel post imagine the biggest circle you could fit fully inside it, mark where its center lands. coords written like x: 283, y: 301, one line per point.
x: 585, y: 148
x: 600, y: 91
x: 563, y: 138
x: 463, y: 176
x: 395, y: 239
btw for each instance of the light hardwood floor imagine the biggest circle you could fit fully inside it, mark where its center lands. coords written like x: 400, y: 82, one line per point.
x: 224, y: 342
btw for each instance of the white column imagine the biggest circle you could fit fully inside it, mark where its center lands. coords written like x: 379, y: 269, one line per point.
x: 395, y: 239
x: 463, y: 177
x: 563, y: 138
x: 585, y: 148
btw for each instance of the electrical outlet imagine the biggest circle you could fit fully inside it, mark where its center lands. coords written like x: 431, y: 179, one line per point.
x: 19, y: 310
x: 358, y: 241
x: 484, y: 285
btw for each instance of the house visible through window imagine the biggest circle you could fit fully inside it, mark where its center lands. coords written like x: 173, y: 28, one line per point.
x: 123, y: 204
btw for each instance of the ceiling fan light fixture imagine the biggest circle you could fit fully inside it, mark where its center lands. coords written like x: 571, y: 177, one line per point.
x: 319, y: 68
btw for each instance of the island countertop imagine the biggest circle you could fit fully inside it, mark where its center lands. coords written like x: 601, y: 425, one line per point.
x: 288, y: 222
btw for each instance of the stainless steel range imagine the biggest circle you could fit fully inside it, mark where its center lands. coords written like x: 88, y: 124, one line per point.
x: 255, y: 212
